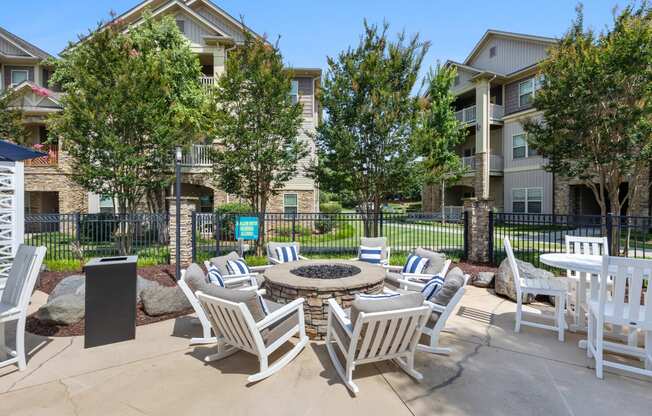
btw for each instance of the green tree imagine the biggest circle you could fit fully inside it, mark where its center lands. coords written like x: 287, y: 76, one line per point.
x: 596, y: 105
x: 130, y: 99
x: 256, y: 125
x: 11, y: 119
x: 364, y: 143
x: 438, y: 132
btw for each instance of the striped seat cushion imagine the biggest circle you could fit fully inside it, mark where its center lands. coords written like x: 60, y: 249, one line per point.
x: 371, y: 254
x: 238, y: 266
x: 415, y: 264
x: 214, y: 276
x: 432, y: 287
x: 286, y: 254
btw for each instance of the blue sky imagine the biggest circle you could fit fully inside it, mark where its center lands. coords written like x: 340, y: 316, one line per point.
x: 312, y: 30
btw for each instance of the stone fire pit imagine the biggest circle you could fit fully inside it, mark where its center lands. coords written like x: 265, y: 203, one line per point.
x: 286, y: 282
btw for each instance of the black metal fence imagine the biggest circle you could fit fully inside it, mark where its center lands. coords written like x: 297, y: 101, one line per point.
x: 75, y: 235
x: 330, y: 234
x: 534, y: 234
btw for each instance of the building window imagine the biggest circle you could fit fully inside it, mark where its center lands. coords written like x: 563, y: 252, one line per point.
x: 206, y: 203
x: 106, y: 205
x: 181, y: 25
x: 527, y: 200
x: 294, y: 91
x: 528, y: 88
x: 456, y: 81
x: 290, y: 204
x: 492, y: 51
x: 18, y: 76
x: 521, y: 148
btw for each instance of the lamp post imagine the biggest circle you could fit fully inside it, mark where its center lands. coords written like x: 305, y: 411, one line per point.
x: 177, y: 194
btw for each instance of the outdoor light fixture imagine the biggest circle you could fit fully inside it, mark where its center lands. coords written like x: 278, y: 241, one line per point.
x: 177, y: 194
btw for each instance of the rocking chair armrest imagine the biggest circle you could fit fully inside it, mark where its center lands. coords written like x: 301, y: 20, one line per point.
x: 409, y: 276
x: 279, y: 314
x: 410, y: 284
x: 435, y: 307
x: 391, y: 268
x: 258, y: 269
x: 302, y: 257
x: 340, y: 316
x: 272, y: 261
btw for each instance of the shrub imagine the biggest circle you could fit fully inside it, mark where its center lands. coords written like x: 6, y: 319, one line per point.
x: 227, y: 217
x: 286, y: 231
x: 234, y: 208
x: 333, y: 207
x: 98, y: 228
x: 324, y: 225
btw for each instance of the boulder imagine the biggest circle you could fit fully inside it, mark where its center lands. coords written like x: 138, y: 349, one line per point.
x: 484, y: 279
x: 142, y: 284
x: 504, y: 279
x: 71, y: 285
x: 160, y: 300
x: 65, y: 309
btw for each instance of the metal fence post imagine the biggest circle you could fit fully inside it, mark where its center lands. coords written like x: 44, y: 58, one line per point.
x: 193, y: 236
x: 608, y: 227
x: 466, y: 235
x: 294, y: 226
x: 78, y: 227
x: 382, y: 223
x: 490, y: 248
x: 217, y: 223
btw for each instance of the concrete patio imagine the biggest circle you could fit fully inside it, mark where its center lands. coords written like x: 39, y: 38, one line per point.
x: 492, y: 372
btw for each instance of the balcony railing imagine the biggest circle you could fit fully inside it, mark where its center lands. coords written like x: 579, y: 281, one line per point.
x: 207, y: 82
x: 199, y: 156
x: 468, y: 114
x: 52, y: 158
x: 495, y: 163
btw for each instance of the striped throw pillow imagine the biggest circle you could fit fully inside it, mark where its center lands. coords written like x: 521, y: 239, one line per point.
x: 214, y: 276
x: 237, y: 266
x: 371, y: 254
x: 433, y: 286
x: 380, y: 296
x: 287, y: 254
x: 415, y: 264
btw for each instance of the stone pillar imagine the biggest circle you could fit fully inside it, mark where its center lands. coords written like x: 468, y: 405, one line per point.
x: 188, y: 205
x: 478, y: 233
x: 482, y: 137
x: 562, y: 194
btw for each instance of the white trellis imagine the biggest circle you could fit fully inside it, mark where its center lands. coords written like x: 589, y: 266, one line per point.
x: 12, y: 214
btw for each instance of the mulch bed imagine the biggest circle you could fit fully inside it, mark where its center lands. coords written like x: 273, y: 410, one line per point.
x: 474, y: 268
x: 163, y: 274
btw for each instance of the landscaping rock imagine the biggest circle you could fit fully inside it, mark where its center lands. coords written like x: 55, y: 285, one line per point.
x: 71, y: 285
x: 160, y: 300
x: 484, y: 279
x: 65, y: 309
x: 142, y: 284
x: 505, y: 281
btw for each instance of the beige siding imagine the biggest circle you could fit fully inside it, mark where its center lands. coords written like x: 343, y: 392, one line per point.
x: 511, y: 55
x: 497, y: 142
x: 529, y: 179
x: 464, y: 80
x: 221, y: 23
x: 193, y: 30
x: 306, y: 96
x: 8, y: 48
x: 510, y: 129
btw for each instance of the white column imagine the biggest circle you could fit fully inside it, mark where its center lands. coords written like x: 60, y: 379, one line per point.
x: 219, y: 60
x: 482, y: 137
x: 19, y: 237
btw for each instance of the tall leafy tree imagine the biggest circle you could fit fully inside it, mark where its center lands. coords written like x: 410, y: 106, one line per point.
x: 130, y: 99
x: 438, y: 132
x: 596, y: 101
x: 365, y: 142
x: 11, y: 119
x: 256, y: 125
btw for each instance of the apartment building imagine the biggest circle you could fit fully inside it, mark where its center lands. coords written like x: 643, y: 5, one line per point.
x: 211, y: 33
x: 495, y: 87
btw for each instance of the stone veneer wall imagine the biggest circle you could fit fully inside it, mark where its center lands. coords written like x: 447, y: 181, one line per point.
x: 478, y: 232
x: 188, y: 205
x: 315, y: 307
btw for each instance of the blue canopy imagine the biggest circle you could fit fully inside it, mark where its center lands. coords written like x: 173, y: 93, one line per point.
x: 10, y: 152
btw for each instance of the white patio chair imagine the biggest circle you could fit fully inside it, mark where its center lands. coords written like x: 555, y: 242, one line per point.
x: 15, y: 300
x: 555, y: 288
x: 207, y: 335
x: 376, y: 242
x: 412, y: 281
x: 623, y: 308
x: 578, y: 285
x: 238, y: 330
x: 378, y: 336
x: 272, y: 258
x: 237, y: 280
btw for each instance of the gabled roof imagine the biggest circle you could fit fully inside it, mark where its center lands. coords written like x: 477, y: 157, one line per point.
x: 22, y: 44
x: 511, y: 35
x: 225, y: 14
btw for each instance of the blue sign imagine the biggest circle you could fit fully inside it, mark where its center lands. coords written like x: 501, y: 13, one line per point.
x: 246, y: 228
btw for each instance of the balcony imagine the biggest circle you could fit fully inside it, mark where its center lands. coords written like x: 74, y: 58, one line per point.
x: 199, y: 156
x: 207, y: 82
x: 467, y: 115
x: 495, y: 163
x: 52, y: 158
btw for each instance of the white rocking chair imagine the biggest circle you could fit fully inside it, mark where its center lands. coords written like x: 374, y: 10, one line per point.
x: 379, y: 336
x: 207, y: 336
x: 238, y: 331
x: 15, y: 300
x: 413, y: 281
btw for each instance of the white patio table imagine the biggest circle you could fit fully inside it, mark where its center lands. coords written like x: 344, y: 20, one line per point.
x: 584, y: 265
